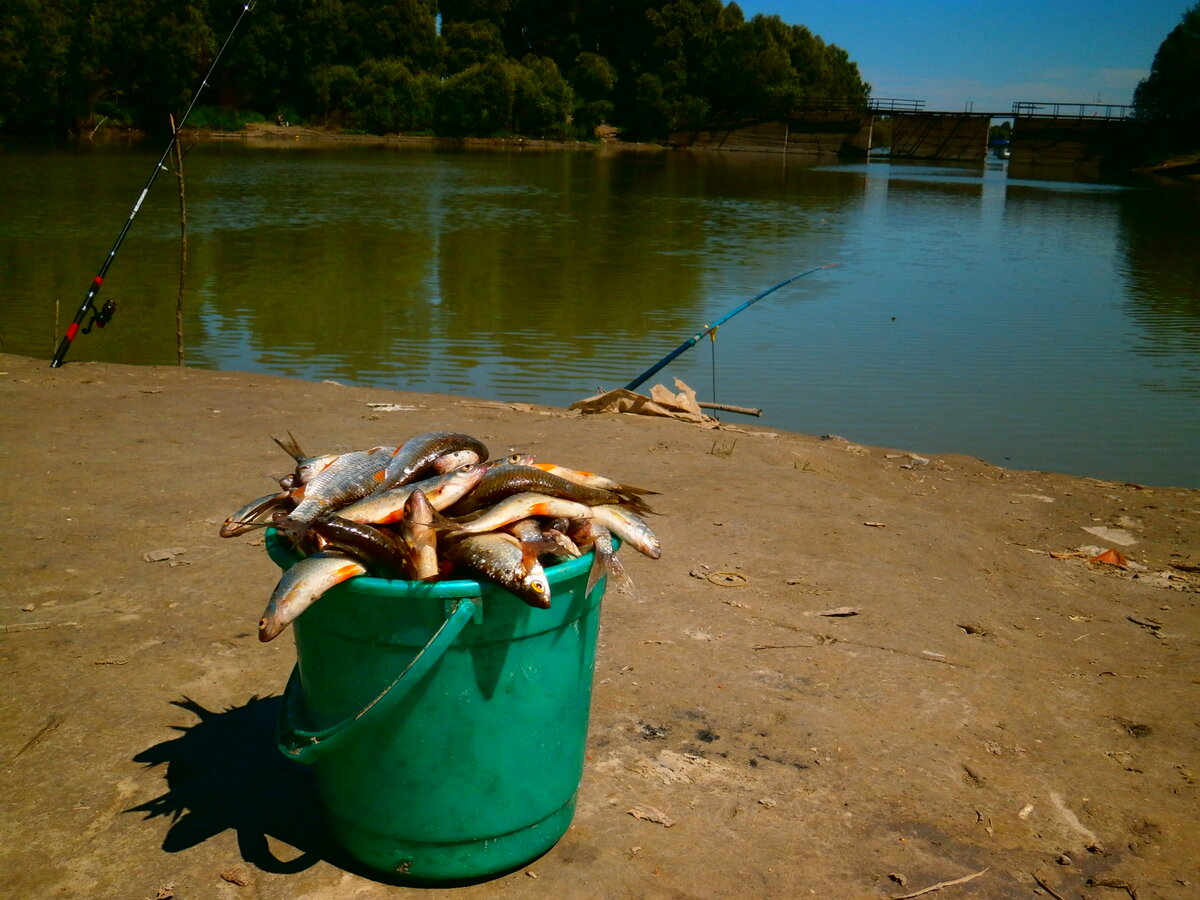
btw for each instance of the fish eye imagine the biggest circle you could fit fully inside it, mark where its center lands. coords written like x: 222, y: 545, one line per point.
x: 538, y: 586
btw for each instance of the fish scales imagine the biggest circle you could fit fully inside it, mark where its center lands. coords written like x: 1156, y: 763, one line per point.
x: 421, y: 451
x: 349, y: 477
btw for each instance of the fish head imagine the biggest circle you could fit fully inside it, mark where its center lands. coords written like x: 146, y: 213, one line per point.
x: 269, y: 626
x: 456, y: 459
x: 535, y: 588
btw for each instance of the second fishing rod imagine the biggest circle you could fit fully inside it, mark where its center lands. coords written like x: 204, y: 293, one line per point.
x: 708, y: 329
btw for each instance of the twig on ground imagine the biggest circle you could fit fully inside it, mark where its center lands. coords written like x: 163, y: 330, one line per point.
x: 942, y: 884
x: 1041, y: 882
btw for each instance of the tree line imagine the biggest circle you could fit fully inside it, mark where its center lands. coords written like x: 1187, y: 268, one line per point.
x: 539, y: 68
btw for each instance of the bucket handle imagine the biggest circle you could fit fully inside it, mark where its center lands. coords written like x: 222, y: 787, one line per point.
x: 308, y: 746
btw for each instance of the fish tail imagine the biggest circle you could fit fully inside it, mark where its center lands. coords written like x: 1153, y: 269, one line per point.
x: 637, y: 504
x: 630, y: 489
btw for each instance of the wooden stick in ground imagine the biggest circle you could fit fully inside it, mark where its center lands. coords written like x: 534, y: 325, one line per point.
x: 744, y: 410
x: 182, y: 245
x: 942, y: 884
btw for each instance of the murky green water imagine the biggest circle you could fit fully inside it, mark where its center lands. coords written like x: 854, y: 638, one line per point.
x: 1035, y: 324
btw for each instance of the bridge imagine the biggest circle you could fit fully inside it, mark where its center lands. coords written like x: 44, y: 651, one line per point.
x: 1047, y: 137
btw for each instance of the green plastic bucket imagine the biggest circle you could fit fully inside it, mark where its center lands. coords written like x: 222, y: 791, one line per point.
x: 445, y: 723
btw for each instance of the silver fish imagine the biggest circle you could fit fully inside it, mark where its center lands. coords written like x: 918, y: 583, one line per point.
x: 629, y: 527
x: 501, y: 558
x: 385, y: 507
x: 518, y: 506
x: 348, y: 478
x: 411, y: 458
x: 301, y: 586
x: 256, y: 514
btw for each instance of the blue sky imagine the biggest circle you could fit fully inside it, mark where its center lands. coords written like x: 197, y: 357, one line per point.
x: 953, y: 52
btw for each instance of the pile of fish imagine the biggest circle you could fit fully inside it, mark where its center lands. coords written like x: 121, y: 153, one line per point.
x: 436, y: 507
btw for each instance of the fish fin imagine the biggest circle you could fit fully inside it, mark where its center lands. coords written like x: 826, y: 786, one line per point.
x: 532, y: 550
x: 595, y: 572
x: 442, y: 523
x: 291, y: 446
x: 618, y: 578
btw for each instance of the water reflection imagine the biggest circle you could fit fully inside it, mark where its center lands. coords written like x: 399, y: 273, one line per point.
x: 974, y: 312
x: 1159, y: 238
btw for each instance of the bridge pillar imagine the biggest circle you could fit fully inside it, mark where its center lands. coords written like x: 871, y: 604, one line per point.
x: 1073, y: 146
x: 948, y: 136
x: 835, y: 132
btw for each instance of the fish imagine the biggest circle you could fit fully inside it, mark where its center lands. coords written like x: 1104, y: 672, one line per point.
x: 501, y: 558
x: 410, y: 460
x: 349, y: 477
x: 308, y: 466
x: 629, y: 527
x: 509, y: 510
x: 591, y: 479
x: 504, y: 480
x: 302, y: 585
x: 421, y: 538
x: 256, y: 514
x: 434, y: 506
x: 590, y: 533
x: 383, y: 554
x: 387, y: 507
x: 559, y: 546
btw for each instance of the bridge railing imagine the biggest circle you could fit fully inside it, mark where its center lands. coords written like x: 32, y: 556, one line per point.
x: 894, y: 104
x: 1071, y: 110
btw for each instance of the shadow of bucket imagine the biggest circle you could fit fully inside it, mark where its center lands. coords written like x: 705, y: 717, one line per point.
x: 445, y: 723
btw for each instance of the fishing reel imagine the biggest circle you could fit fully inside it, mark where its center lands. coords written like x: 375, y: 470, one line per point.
x: 101, y: 316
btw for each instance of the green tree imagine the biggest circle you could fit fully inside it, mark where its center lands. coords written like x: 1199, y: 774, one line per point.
x: 467, y: 44
x: 1170, y: 97
x: 392, y: 99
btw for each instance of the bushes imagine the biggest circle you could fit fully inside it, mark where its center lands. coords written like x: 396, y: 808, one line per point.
x: 501, y: 96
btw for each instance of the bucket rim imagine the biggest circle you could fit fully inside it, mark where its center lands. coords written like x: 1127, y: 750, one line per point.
x: 284, y: 555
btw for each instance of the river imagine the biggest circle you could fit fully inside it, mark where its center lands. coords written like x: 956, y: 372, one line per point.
x: 1035, y: 324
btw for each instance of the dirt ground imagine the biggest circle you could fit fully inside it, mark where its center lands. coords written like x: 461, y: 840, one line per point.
x: 999, y: 717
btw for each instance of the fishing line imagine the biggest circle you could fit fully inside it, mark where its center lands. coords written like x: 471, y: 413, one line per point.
x: 712, y: 342
x: 103, y: 316
x: 710, y: 329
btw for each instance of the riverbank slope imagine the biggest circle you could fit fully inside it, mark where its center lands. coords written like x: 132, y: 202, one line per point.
x: 853, y: 673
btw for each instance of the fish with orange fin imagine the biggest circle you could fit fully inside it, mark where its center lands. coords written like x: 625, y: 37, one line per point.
x: 302, y: 585
x: 509, y: 510
x: 387, y: 507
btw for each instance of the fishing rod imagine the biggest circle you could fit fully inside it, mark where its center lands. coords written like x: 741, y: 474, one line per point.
x: 103, y: 315
x: 708, y: 329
